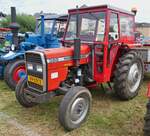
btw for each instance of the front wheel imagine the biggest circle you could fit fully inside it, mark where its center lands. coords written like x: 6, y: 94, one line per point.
x: 20, y: 95
x: 14, y: 71
x: 74, y: 107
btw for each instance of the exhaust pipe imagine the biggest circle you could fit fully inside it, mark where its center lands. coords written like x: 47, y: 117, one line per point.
x: 14, y: 26
x: 77, y: 42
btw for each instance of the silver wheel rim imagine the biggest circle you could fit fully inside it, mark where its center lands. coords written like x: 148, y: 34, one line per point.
x: 79, y: 109
x: 134, y: 77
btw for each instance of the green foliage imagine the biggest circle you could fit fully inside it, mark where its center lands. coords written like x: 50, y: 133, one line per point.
x: 27, y: 22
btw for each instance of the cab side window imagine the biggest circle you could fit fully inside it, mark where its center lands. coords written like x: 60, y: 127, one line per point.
x: 113, y: 27
x: 126, y: 26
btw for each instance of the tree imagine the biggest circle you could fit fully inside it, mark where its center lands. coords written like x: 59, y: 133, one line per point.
x: 27, y: 22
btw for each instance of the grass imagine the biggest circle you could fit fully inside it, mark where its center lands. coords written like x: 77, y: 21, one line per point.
x: 108, y: 117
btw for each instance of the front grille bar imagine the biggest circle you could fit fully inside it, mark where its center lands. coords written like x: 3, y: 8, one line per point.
x: 41, y: 61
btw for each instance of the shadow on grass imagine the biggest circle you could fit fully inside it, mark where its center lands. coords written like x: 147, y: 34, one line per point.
x: 99, y: 93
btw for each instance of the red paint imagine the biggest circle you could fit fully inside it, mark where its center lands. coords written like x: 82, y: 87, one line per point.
x: 110, y: 57
x: 16, y: 73
x: 5, y: 29
x: 62, y: 67
x: 148, y: 91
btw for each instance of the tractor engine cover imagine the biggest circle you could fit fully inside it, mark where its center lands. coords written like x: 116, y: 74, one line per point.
x: 58, y: 61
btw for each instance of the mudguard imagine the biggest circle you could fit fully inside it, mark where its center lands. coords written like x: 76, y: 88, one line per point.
x: 11, y: 56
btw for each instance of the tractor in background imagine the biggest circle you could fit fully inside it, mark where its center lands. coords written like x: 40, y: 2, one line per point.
x: 49, y: 31
x: 98, y: 47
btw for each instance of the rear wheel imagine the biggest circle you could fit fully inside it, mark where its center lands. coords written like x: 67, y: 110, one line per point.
x: 74, y: 107
x: 14, y: 71
x: 147, y: 121
x: 128, y: 75
x: 20, y: 95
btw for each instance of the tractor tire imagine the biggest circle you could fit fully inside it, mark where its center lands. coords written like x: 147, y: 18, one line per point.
x: 128, y: 75
x: 75, y: 107
x: 20, y: 96
x: 12, y: 71
x: 147, y: 121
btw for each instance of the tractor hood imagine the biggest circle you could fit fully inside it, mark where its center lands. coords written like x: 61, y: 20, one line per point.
x: 34, y: 39
x: 60, y: 57
x: 64, y: 51
x: 58, y: 62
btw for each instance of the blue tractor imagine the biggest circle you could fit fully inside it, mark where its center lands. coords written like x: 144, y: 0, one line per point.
x: 49, y: 31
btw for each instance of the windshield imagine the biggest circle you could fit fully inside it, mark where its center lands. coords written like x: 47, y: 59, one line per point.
x: 48, y: 24
x: 92, y: 27
x: 58, y: 27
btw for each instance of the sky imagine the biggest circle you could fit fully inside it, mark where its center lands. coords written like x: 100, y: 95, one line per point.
x: 62, y: 6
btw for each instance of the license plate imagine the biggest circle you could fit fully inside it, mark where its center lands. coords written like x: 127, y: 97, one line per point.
x: 35, y: 80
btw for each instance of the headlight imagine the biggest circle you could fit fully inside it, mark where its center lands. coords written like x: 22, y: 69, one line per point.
x: 39, y: 68
x: 29, y: 66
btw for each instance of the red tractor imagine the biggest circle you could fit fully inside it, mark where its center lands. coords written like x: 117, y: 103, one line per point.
x: 99, y: 47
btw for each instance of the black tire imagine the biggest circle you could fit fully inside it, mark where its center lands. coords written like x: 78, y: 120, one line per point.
x: 126, y: 85
x: 20, y: 96
x: 75, y: 96
x: 147, y: 121
x: 8, y: 73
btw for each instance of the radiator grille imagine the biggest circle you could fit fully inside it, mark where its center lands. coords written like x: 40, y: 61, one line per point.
x: 30, y: 57
x: 34, y: 59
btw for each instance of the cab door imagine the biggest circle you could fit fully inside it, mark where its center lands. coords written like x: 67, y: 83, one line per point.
x: 105, y: 53
x: 113, y: 42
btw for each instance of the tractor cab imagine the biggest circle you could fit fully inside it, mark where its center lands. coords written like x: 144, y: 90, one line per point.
x: 105, y: 29
x: 101, y: 24
x: 54, y: 25
x: 49, y: 31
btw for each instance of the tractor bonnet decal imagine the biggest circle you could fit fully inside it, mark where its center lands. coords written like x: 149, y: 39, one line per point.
x: 66, y: 58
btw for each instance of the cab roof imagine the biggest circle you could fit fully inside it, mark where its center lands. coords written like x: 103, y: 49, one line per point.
x: 55, y: 17
x: 98, y: 8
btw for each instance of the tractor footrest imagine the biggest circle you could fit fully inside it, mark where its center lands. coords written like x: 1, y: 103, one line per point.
x: 38, y: 97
